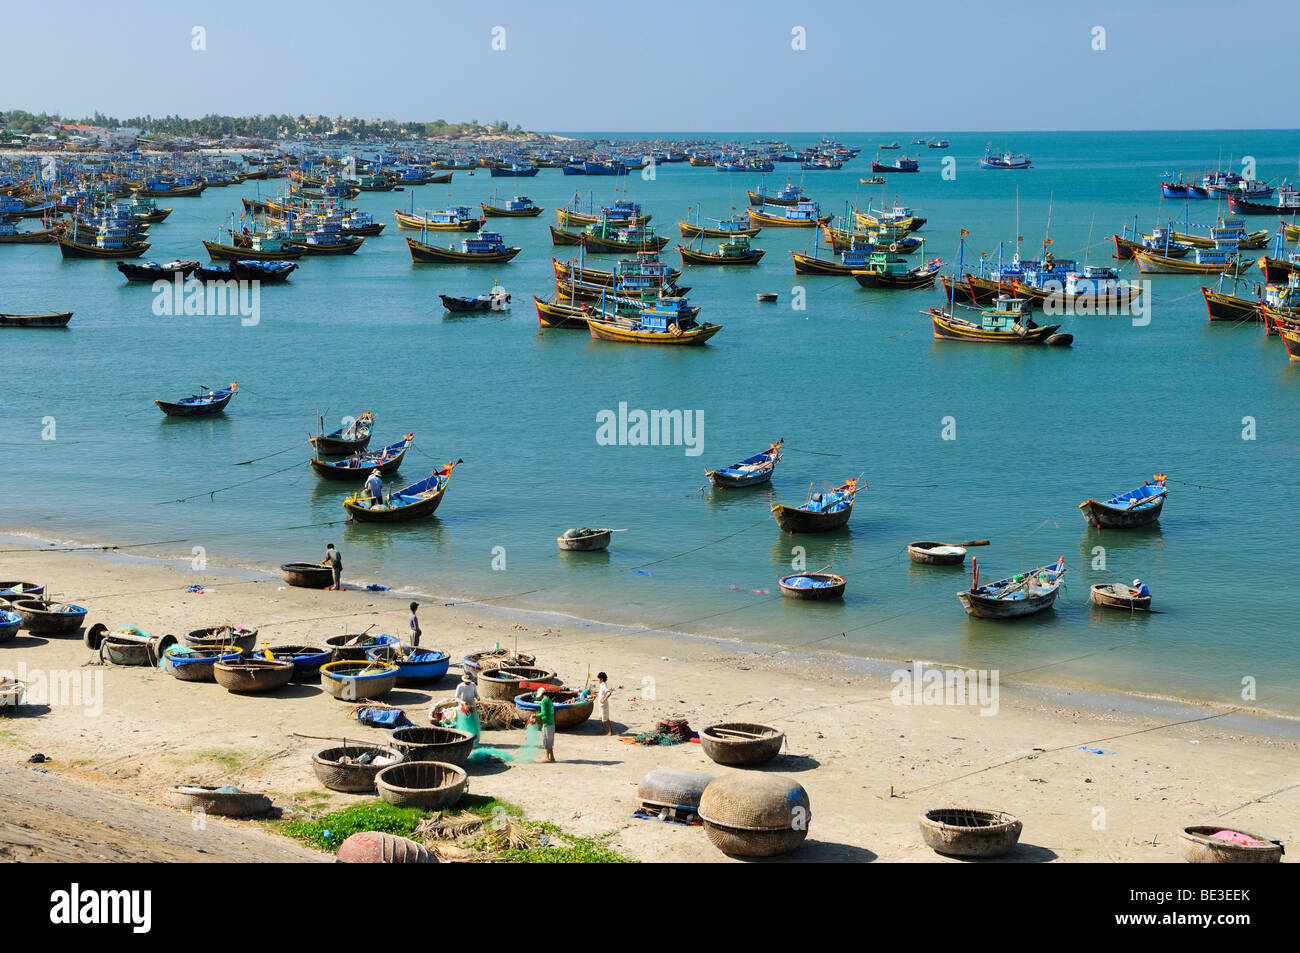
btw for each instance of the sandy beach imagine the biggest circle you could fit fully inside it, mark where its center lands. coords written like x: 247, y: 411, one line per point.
x: 1093, y: 777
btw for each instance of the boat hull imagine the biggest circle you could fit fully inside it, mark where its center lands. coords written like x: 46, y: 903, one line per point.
x: 689, y: 256
x: 193, y: 410
x: 794, y: 520
x: 58, y: 319
x: 432, y: 254
x: 608, y: 331
x: 1103, y: 516
x: 1221, y: 307
x: 1115, y: 596
x: 983, y: 607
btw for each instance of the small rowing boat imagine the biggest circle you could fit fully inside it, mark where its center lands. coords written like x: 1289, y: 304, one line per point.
x: 1015, y: 596
x: 820, y: 513
x: 414, y: 501
x: 1137, y: 507
x: 359, y: 465
x: 929, y: 553
x: 54, y: 319
x: 352, y: 437
x: 198, y: 405
x: 584, y: 539
x: 752, y: 471
x: 1116, y: 595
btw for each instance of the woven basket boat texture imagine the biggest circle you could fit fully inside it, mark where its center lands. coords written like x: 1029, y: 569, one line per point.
x: 749, y: 814
x: 496, y: 658
x: 221, y: 635
x: 968, y: 832
x: 1197, y: 845
x: 666, y: 788
x: 338, y: 774
x: 503, y: 683
x: 430, y: 785
x: 253, y: 676
x: 741, y: 742
x: 10, y: 623
x: 355, y: 646
x: 41, y: 617
x: 375, y: 847
x: 228, y: 802
x: 123, y: 651
x: 306, y: 659
x: 447, y: 745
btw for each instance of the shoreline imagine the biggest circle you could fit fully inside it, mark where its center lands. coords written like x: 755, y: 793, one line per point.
x: 1044, y: 689
x: 871, y: 763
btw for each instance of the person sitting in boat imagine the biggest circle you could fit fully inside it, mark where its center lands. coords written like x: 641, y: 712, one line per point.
x: 375, y: 487
x: 1140, y: 588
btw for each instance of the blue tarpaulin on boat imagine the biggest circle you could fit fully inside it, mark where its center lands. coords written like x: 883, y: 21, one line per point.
x: 805, y: 582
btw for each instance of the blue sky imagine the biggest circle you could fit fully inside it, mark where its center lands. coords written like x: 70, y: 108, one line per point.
x: 668, y: 65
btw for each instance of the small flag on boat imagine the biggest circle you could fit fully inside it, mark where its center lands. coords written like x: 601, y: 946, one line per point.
x: 964, y: 232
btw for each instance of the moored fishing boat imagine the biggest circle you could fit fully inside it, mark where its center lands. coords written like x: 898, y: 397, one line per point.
x: 610, y: 239
x: 455, y: 219
x: 1016, y: 596
x: 269, y: 272
x: 1138, y: 507
x: 721, y: 228
x: 799, y: 215
x: 1225, y: 307
x: 359, y: 465
x: 889, y: 270
x: 663, y: 321
x: 270, y: 245
x: 481, y: 249
x: 152, y: 271
x: 496, y: 300
x: 1003, y: 160
x: 821, y: 512
x: 1290, y: 335
x: 621, y: 212
x: 521, y: 206
x: 1007, y: 321
x: 352, y: 437
x: 199, y: 405
x: 584, y: 539
x: 734, y: 251
x: 1204, y: 261
x: 413, y: 501
x: 789, y: 194
x: 901, y: 164
x: 752, y: 471
x: 54, y: 319
x: 10, y: 235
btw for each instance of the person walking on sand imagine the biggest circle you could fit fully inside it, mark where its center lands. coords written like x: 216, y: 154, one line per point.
x: 545, y: 719
x: 603, y: 691
x: 415, y: 626
x: 334, y: 560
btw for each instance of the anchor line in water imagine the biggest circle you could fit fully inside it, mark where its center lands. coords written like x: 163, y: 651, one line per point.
x: 242, y: 463
x: 221, y: 489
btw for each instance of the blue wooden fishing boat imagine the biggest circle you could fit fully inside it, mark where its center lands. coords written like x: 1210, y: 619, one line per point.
x: 198, y: 405
x: 820, y: 513
x: 657, y: 321
x: 359, y: 465
x: 901, y: 164
x: 521, y: 206
x: 789, y: 194
x: 512, y: 170
x: 1019, y: 595
x: 1137, y: 507
x: 485, y: 248
x: 1003, y: 160
x: 752, y: 471
x: 10, y: 623
x: 266, y: 272
x: 413, y: 501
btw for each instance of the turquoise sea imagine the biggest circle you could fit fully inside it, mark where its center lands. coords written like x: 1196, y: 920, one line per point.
x: 855, y: 384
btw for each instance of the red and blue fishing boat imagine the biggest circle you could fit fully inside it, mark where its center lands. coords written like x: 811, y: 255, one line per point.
x: 359, y: 465
x: 752, y: 471
x: 1138, y: 507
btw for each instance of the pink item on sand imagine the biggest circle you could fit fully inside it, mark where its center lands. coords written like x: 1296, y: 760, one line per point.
x: 1237, y: 837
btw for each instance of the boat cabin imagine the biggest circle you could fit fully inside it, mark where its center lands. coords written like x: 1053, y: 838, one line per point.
x: 484, y: 243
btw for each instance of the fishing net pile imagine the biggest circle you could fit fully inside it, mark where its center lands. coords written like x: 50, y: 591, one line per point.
x: 668, y: 732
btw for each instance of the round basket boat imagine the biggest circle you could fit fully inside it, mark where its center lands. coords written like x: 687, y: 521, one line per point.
x: 1197, y: 845
x: 10, y: 623
x: 741, y: 742
x: 49, y: 618
x: 375, y: 847
x: 584, y: 541
x: 12, y: 591
x: 965, y: 832
x: 338, y: 770
x: 416, y: 666
x: 929, y: 553
x: 253, y: 676
x: 496, y: 658
x: 1116, y: 595
x: 307, y: 575
x: 198, y: 666
x: 665, y: 788
x: 354, y: 648
x: 122, y: 649
x: 570, y: 710
x: 813, y: 585
x: 430, y: 785
x: 503, y: 683
x: 203, y: 799
x: 755, y: 815
x: 355, y: 681
x: 11, y: 694
x: 222, y: 636
x: 306, y: 659
x: 447, y: 745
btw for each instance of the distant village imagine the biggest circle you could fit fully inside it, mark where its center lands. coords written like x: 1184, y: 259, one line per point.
x: 20, y: 130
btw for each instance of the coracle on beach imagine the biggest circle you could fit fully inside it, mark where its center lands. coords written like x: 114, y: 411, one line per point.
x: 755, y: 815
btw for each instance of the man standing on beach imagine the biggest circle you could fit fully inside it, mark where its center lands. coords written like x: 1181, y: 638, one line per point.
x: 334, y: 560
x: 415, y: 626
x: 603, y: 691
x: 545, y: 719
